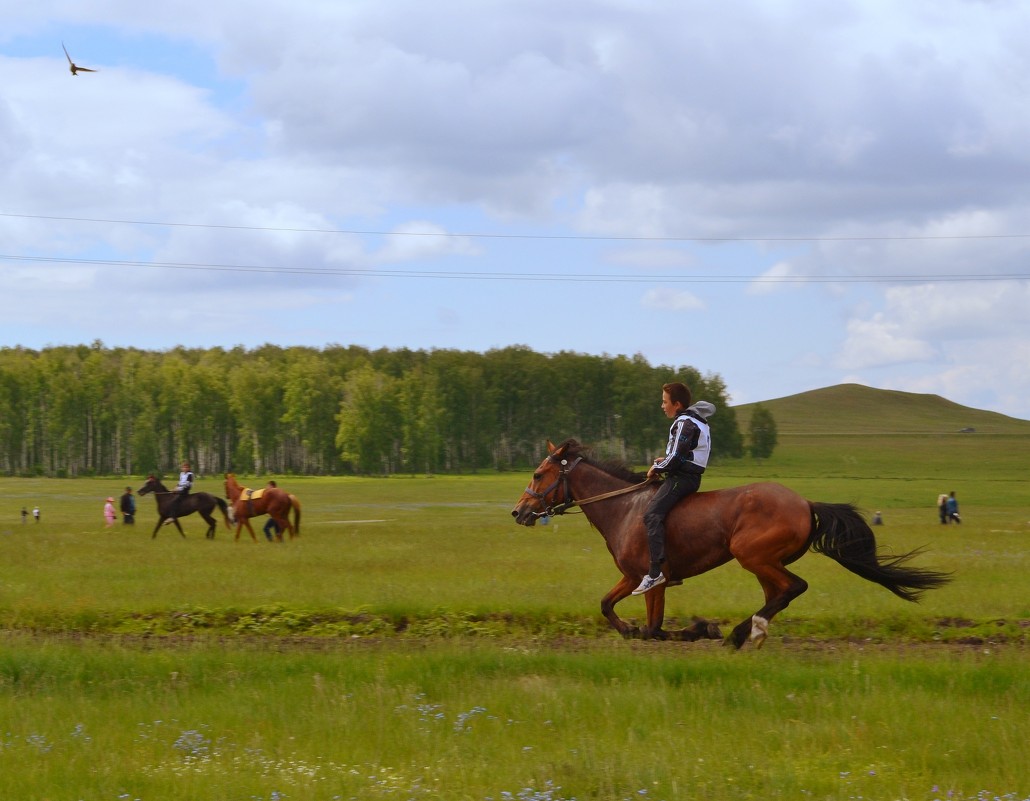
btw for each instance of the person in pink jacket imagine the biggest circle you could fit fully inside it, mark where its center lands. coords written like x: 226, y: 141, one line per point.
x: 109, y: 513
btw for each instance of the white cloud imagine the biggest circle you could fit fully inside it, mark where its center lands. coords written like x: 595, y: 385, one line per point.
x: 671, y: 300
x: 417, y: 240
x: 772, y: 279
x: 961, y: 340
x: 877, y: 342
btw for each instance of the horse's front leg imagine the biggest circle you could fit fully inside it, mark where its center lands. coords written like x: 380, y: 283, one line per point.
x: 616, y: 594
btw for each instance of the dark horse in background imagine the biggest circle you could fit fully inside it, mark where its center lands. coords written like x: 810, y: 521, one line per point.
x: 202, y: 502
x: 765, y: 527
x: 271, y: 501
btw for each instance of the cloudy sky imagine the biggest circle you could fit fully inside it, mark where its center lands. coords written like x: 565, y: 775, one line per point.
x: 789, y: 194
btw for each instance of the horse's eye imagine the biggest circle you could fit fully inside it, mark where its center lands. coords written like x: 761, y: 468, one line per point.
x: 537, y: 476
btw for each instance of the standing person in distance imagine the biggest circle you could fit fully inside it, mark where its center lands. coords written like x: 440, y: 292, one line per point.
x: 686, y: 457
x: 951, y: 506
x: 109, y: 513
x: 271, y: 527
x: 182, y: 489
x: 127, y: 503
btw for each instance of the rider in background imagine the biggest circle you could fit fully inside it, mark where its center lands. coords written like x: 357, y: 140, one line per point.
x: 182, y: 489
x: 686, y: 457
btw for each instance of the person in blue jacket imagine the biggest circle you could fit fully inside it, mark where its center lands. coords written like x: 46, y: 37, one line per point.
x: 951, y: 507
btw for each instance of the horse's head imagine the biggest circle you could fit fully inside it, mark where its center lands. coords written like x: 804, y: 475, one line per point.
x: 548, y: 492
x: 150, y: 486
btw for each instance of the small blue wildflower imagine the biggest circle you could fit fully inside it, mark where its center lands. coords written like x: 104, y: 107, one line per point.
x: 192, y: 743
x: 40, y: 742
x: 79, y: 733
x: 461, y: 722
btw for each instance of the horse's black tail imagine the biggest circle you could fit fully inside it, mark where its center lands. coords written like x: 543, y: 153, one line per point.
x: 840, y: 532
x: 225, y: 510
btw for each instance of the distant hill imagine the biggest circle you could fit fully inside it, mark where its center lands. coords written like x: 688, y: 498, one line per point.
x: 856, y: 409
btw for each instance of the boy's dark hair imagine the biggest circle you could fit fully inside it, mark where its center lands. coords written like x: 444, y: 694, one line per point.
x: 678, y: 393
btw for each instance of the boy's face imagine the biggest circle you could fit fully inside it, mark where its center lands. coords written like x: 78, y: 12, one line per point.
x: 671, y: 409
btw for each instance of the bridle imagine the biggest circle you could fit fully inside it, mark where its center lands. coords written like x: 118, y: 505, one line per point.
x: 562, y: 481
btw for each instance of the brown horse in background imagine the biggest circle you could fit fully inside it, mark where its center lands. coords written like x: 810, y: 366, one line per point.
x: 763, y: 526
x: 271, y: 501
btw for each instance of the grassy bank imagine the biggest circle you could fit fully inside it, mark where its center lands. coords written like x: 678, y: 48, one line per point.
x: 488, y: 720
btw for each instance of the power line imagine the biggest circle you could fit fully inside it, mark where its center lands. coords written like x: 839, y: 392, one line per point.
x: 542, y: 237
x: 346, y: 272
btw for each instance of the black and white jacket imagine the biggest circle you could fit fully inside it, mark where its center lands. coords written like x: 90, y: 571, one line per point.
x: 690, y: 441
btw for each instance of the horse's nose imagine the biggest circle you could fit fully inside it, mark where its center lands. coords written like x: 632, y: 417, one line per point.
x: 523, y: 516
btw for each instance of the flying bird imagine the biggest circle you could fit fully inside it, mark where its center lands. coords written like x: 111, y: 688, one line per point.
x: 75, y: 68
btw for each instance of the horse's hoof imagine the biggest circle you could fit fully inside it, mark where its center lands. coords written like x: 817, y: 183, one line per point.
x: 739, y: 635
x: 759, y: 630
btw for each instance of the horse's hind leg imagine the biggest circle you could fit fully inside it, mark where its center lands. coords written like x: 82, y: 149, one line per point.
x: 654, y: 601
x: 781, y: 587
x: 212, y: 524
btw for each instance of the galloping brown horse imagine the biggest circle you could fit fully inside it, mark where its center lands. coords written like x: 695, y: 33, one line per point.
x: 763, y: 526
x: 270, y: 501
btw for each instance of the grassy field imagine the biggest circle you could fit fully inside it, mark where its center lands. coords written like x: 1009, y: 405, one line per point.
x: 415, y: 643
x: 528, y: 719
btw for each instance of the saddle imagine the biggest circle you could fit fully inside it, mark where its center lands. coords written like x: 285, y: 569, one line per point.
x: 250, y: 495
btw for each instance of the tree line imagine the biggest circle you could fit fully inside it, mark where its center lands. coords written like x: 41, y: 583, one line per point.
x: 93, y: 410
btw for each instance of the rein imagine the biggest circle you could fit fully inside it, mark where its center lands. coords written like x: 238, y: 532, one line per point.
x: 563, y: 481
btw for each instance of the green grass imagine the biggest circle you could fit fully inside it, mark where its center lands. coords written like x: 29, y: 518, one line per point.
x: 447, y: 546
x: 461, y: 721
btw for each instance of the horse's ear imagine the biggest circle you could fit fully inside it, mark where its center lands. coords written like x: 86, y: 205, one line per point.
x: 550, y: 447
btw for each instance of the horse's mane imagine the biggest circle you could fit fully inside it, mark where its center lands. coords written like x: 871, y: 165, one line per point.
x: 612, y: 467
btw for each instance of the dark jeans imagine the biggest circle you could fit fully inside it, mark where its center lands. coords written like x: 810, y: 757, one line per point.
x: 173, y: 510
x: 673, y: 489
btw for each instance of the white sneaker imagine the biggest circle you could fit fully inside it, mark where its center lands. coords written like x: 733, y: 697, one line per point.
x: 169, y: 521
x: 649, y: 584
